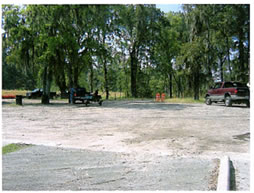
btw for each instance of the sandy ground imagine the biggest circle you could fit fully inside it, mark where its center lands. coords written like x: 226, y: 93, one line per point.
x: 137, y: 128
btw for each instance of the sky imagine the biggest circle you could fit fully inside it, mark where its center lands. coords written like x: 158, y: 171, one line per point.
x: 169, y: 7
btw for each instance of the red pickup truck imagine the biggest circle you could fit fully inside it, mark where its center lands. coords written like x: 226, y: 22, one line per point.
x: 229, y: 93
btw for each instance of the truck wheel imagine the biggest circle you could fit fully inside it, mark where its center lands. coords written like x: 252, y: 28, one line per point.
x: 208, y: 101
x: 228, y: 101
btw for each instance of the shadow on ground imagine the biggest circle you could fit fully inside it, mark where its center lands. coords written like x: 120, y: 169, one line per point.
x: 139, y: 105
x: 146, y: 105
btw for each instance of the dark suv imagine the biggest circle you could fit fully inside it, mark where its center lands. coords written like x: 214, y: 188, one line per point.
x: 229, y: 93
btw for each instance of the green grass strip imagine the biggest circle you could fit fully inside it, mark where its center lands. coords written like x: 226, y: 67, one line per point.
x: 14, y: 147
x: 184, y: 100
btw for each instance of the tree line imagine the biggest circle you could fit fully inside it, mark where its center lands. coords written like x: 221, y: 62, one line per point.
x: 135, y: 49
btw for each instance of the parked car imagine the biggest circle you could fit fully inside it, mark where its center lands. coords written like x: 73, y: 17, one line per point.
x: 80, y: 94
x: 229, y: 93
x: 37, y: 93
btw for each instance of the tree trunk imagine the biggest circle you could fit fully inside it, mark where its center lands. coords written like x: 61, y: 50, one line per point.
x: 126, y: 80
x: 221, y: 70
x: 196, y: 86
x: 91, y: 76
x: 70, y: 79
x: 133, y: 74
x: 228, y: 57
x: 59, y: 73
x: 170, y: 86
x: 46, y: 85
x: 209, y: 53
x: 222, y: 60
x: 106, y: 78
x: 179, y: 87
x: 61, y: 83
x: 75, y: 78
x: 178, y: 83
x: 70, y: 75
x: 45, y: 99
x: 241, y: 56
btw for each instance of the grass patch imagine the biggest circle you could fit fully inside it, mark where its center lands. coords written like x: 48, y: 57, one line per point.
x: 113, y: 95
x: 14, y: 147
x: 184, y: 100
x: 121, y: 96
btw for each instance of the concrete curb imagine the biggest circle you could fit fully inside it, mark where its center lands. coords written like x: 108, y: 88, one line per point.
x: 224, y: 175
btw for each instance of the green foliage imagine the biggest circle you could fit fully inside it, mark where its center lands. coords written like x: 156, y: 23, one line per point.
x: 134, y: 49
x: 156, y: 86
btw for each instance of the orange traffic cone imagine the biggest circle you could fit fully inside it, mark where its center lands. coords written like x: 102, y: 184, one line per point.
x: 158, y: 97
x: 163, y: 95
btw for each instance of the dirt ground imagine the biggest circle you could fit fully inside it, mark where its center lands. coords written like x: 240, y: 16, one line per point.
x: 138, y: 128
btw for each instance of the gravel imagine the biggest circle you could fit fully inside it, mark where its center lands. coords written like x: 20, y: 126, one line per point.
x: 141, y: 129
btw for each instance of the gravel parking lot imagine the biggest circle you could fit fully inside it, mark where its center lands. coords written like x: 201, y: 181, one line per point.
x: 141, y: 129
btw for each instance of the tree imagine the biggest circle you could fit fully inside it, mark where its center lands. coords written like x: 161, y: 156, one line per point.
x: 138, y: 30
x: 167, y: 48
x: 43, y: 19
x: 192, y: 51
x: 105, y: 35
x: 241, y: 21
x: 131, y: 48
x: 17, y: 49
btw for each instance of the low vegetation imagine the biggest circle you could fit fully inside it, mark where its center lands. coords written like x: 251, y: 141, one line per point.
x: 14, y: 147
x: 14, y: 92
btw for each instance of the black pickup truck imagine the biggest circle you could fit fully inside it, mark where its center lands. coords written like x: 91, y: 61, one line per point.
x: 229, y: 93
x: 80, y: 94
